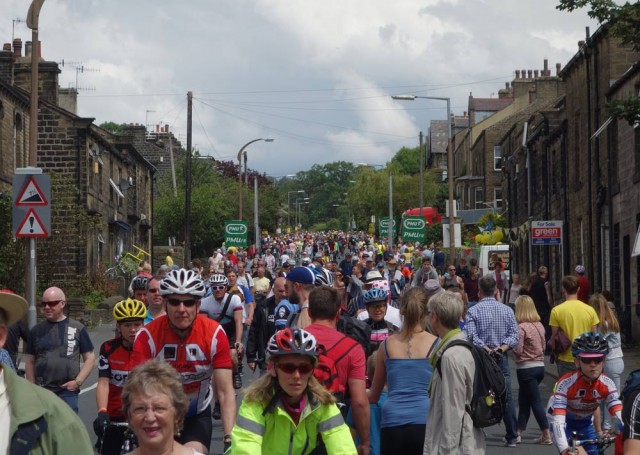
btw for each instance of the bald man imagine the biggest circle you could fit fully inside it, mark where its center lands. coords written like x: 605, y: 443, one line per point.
x: 54, y: 350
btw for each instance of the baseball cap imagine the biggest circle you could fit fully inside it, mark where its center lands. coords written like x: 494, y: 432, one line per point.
x: 380, y: 264
x: 372, y: 276
x: 432, y: 287
x: 580, y: 269
x: 14, y: 306
x: 302, y: 275
x: 392, y: 261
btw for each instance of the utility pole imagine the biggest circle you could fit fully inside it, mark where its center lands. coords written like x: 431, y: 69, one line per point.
x: 187, y: 192
x: 390, y: 242
x: 421, y: 175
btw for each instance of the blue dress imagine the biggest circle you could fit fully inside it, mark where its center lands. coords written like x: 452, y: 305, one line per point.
x: 408, y: 384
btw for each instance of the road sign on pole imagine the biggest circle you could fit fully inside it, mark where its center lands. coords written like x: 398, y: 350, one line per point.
x: 236, y: 233
x: 546, y: 232
x: 31, y: 203
x: 414, y: 229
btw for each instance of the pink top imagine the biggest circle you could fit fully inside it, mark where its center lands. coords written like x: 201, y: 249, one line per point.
x: 531, y: 343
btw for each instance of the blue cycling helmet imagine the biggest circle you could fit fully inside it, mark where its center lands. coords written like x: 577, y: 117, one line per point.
x: 375, y: 295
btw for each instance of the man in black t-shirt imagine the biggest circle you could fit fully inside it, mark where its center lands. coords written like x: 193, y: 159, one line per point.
x: 54, y: 349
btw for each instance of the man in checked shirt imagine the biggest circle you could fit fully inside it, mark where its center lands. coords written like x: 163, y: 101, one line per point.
x: 492, y: 326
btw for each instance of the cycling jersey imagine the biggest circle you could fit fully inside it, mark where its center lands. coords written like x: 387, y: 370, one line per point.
x: 212, y: 309
x: 114, y: 363
x: 194, y: 357
x: 574, y: 401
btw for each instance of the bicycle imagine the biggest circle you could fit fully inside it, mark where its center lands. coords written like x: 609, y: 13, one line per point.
x: 129, y: 440
x: 601, y: 443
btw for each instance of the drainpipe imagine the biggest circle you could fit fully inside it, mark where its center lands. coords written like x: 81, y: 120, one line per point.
x: 600, y: 202
x: 589, y: 133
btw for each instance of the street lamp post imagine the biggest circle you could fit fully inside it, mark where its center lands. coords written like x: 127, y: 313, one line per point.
x: 452, y: 249
x: 240, y: 171
x: 305, y: 200
x: 289, y: 205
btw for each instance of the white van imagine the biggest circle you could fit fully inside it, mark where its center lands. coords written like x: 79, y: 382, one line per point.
x: 486, y: 264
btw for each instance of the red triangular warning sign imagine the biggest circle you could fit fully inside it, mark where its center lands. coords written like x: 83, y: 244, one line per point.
x: 31, y: 195
x: 31, y: 226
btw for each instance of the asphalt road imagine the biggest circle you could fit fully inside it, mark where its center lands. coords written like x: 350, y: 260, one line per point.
x: 494, y: 434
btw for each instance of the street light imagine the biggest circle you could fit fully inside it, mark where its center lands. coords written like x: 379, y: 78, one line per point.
x: 289, y: 205
x: 305, y: 200
x: 240, y: 171
x: 452, y: 251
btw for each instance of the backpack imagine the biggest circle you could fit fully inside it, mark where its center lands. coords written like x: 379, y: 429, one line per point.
x: 358, y: 330
x: 631, y: 387
x: 489, y: 401
x: 326, y: 371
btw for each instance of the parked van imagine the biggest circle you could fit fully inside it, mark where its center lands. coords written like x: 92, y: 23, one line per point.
x: 489, y: 254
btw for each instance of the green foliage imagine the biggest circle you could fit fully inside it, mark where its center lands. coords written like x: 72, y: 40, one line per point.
x: 628, y: 109
x: 214, y: 199
x: 113, y: 127
x: 12, y: 253
x: 406, y: 161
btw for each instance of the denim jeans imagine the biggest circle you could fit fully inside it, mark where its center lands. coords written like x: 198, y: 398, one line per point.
x: 529, y: 397
x: 510, y: 414
x: 69, y: 397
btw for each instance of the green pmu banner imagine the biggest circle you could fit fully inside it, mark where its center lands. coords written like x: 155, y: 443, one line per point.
x: 236, y: 233
x: 414, y: 229
x: 383, y: 227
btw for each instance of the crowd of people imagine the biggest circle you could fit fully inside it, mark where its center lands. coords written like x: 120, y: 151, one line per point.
x: 359, y: 348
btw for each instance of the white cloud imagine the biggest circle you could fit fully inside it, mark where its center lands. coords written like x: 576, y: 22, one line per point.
x: 316, y: 76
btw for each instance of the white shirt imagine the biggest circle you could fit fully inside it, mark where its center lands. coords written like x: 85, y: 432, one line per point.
x: 5, y: 415
x: 392, y: 316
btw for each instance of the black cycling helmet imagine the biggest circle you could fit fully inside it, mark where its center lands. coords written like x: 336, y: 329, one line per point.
x: 589, y: 345
x: 139, y: 283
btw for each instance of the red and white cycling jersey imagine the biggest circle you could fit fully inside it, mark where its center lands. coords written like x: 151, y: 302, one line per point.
x: 194, y: 357
x: 574, y: 395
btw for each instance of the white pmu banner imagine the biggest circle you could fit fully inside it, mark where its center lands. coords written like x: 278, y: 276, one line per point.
x: 457, y: 239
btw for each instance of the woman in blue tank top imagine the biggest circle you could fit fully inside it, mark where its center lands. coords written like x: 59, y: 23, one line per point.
x: 406, y: 370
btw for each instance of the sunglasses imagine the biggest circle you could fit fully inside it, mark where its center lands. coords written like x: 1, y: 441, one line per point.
x: 176, y: 302
x: 52, y: 303
x: 376, y: 306
x: 589, y: 360
x: 153, y: 290
x: 290, y: 368
x: 218, y: 288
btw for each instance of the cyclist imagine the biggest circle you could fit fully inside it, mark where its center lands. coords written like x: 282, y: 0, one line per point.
x: 578, y: 394
x: 199, y: 349
x: 286, y: 410
x: 114, y: 365
x: 225, y: 308
x: 139, y: 287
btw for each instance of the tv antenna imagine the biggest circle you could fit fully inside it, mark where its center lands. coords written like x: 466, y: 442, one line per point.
x: 83, y: 69
x: 15, y: 21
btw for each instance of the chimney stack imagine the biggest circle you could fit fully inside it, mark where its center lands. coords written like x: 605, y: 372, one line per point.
x: 535, y: 74
x: 166, y: 128
x: 546, y: 68
x: 17, y: 48
x: 558, y: 66
x: 6, y: 47
x: 27, y: 49
x: 581, y: 44
x: 530, y: 74
x: 517, y: 74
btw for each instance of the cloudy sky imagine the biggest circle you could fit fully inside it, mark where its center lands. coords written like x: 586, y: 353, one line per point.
x: 316, y: 76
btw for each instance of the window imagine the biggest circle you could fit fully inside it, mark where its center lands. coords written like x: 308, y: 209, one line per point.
x: 497, y: 198
x: 479, y: 198
x: 497, y: 158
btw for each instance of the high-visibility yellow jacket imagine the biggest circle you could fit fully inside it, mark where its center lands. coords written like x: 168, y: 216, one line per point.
x: 276, y: 433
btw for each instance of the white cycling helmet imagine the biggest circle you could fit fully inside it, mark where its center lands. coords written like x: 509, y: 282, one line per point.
x: 218, y: 279
x: 181, y: 281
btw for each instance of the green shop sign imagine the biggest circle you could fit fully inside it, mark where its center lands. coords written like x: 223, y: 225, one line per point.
x: 383, y: 227
x: 414, y: 229
x: 236, y: 233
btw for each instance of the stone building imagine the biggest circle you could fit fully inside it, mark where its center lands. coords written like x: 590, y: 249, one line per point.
x: 101, y: 184
x: 565, y: 163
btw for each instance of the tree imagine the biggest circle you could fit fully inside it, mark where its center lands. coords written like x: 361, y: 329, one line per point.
x: 406, y: 161
x: 113, y: 127
x: 624, y: 23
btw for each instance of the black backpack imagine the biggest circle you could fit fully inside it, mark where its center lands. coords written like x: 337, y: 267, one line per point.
x: 489, y: 401
x: 358, y: 330
x: 631, y: 387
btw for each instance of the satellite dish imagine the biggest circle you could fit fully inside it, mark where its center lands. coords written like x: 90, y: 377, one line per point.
x: 125, y: 184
